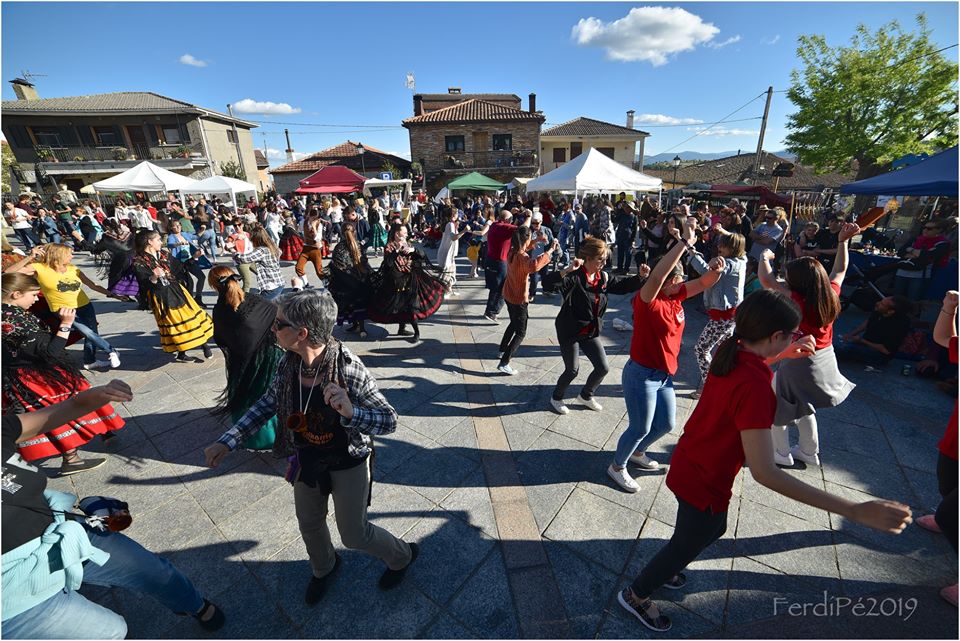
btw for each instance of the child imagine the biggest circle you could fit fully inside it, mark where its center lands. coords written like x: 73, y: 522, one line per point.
x: 730, y: 426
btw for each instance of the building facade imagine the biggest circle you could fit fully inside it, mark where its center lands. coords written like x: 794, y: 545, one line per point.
x: 363, y: 159
x: 566, y: 141
x: 82, y: 139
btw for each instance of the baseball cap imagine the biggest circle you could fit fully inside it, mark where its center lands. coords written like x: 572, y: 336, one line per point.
x: 537, y: 217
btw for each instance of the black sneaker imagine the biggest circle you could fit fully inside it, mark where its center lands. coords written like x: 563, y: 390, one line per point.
x: 210, y: 617
x: 677, y: 582
x: 392, y: 578
x: 81, y: 465
x: 318, y: 587
x: 640, y: 609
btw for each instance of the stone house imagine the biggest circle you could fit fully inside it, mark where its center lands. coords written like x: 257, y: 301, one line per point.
x: 454, y: 133
x: 566, y: 141
x: 77, y: 140
x: 370, y: 163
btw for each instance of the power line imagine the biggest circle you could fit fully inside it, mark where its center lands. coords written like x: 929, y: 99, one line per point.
x: 698, y: 124
x: 312, y: 124
x: 722, y: 120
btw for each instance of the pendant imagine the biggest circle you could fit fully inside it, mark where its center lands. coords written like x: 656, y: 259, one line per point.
x: 297, y: 422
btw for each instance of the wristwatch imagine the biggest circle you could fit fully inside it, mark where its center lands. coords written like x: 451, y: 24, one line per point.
x: 66, y: 329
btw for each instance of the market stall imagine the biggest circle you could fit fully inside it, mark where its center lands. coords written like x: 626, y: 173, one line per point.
x: 594, y: 172
x: 334, y: 179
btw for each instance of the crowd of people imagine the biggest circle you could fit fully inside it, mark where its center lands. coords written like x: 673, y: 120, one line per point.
x: 295, y: 390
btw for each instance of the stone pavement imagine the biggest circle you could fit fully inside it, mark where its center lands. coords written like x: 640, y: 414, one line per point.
x: 522, y: 534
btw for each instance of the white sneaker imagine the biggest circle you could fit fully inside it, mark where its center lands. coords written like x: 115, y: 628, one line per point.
x: 114, y: 360
x: 780, y: 459
x: 590, y: 403
x: 623, y: 479
x: 644, y: 462
x: 506, y: 369
x: 96, y: 365
x: 810, y: 459
x: 559, y: 407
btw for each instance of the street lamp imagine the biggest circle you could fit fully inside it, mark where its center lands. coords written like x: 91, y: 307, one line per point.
x: 676, y: 166
x: 361, y: 151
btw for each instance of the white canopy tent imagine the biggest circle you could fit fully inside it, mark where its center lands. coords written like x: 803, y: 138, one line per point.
x: 406, y: 183
x: 145, y: 177
x: 221, y: 185
x: 594, y: 172
x: 518, y: 183
x: 443, y: 193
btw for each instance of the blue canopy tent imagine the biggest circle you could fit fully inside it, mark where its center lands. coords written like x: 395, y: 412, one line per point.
x: 935, y: 176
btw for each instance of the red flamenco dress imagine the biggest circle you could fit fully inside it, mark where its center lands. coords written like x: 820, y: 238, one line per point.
x: 37, y: 372
x: 406, y: 288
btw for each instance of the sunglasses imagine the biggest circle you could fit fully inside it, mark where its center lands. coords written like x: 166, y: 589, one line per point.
x: 280, y: 324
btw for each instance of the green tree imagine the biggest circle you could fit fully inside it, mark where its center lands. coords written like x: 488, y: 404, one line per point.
x: 887, y: 94
x: 231, y: 169
x: 390, y: 167
x: 8, y: 161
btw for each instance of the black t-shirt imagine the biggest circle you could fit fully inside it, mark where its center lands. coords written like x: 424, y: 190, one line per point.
x: 826, y: 239
x: 325, y: 447
x: 25, y: 512
x: 888, y: 331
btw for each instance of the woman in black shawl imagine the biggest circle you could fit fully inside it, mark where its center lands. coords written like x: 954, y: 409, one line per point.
x: 350, y: 280
x: 242, y: 329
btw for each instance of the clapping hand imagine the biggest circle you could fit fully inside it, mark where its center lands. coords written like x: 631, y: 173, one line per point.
x: 801, y: 348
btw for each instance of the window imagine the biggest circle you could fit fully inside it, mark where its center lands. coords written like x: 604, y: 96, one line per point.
x: 47, y: 136
x: 502, y: 142
x: 106, y: 136
x: 231, y: 136
x: 453, y: 143
x: 20, y: 137
x: 606, y: 151
x: 576, y: 148
x: 171, y: 134
x: 559, y: 154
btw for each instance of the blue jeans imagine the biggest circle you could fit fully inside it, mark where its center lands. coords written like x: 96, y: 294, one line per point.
x: 651, y: 409
x: 69, y: 615
x: 28, y: 237
x: 495, y: 274
x: 210, y: 238
x: 271, y: 294
x: 86, y: 324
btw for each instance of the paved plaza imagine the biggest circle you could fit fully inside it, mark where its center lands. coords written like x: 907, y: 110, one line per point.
x: 522, y: 533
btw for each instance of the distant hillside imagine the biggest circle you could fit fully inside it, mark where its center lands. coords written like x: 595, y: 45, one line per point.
x: 697, y: 155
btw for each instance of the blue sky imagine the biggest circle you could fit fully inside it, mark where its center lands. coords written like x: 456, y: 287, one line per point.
x: 345, y: 64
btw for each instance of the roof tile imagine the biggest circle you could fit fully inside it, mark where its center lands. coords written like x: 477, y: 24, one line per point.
x: 590, y: 127
x: 733, y: 169
x: 474, y: 111
x: 331, y: 156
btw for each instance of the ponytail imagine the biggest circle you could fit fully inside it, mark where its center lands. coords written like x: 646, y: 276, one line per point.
x: 761, y: 315
x: 228, y: 285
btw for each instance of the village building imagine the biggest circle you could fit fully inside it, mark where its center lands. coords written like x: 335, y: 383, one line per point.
x: 264, y: 182
x: 566, y: 141
x: 363, y: 159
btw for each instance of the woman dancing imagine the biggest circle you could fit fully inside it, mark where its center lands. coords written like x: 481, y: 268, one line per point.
x: 449, y: 248
x: 242, y: 329
x: 350, y: 280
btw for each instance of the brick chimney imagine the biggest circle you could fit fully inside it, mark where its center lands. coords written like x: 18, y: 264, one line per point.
x: 418, y: 105
x: 630, y: 119
x: 24, y: 90
x: 533, y: 102
x: 454, y: 90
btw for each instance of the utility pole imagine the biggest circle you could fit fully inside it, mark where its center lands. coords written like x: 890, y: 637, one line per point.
x: 236, y: 137
x: 763, y: 128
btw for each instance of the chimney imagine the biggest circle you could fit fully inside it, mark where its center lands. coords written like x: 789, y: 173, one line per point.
x: 533, y: 103
x: 453, y: 90
x: 24, y: 90
x: 630, y: 119
x: 418, y: 105
x: 286, y: 132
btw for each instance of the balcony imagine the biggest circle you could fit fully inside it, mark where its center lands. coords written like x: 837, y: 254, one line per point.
x: 110, y: 154
x: 466, y: 161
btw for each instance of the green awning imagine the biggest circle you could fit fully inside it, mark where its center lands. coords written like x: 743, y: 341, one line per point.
x: 476, y: 182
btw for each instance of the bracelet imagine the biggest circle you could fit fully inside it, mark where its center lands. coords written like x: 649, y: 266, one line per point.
x: 943, y: 310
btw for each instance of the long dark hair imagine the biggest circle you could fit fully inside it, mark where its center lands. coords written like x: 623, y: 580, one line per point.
x: 520, y: 239
x: 350, y: 238
x: 394, y: 230
x: 761, y: 315
x: 807, y: 277
x: 143, y: 237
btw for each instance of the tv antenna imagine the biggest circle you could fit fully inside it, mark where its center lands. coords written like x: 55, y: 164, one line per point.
x: 26, y: 75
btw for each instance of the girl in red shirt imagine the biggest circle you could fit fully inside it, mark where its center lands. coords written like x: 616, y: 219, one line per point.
x: 729, y: 427
x: 804, y: 385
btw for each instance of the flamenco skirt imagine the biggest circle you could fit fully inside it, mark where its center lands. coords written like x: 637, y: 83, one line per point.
x: 379, y: 240
x: 415, y: 296
x: 126, y: 285
x: 68, y: 436
x: 290, y: 247
x: 181, y: 328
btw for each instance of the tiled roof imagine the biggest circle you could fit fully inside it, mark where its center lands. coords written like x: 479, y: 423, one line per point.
x: 733, y: 169
x: 333, y: 156
x: 262, y: 162
x: 474, y: 111
x: 459, y: 97
x: 112, y: 103
x: 590, y: 127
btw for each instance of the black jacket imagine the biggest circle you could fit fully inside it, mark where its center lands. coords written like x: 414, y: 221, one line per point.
x: 578, y: 310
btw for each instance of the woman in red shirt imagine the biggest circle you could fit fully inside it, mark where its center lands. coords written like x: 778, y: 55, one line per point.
x: 658, y: 321
x: 730, y: 426
x: 804, y: 385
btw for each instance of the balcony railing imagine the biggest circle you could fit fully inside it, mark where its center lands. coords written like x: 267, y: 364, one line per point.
x: 454, y: 160
x: 113, y: 153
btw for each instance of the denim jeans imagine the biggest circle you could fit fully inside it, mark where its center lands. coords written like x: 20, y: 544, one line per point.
x: 86, y: 324
x: 651, y: 409
x: 28, y: 237
x: 69, y: 615
x: 912, y: 288
x: 271, y: 294
x: 495, y: 274
x: 210, y: 238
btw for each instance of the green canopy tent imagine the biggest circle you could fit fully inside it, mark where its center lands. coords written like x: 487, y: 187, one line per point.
x: 475, y: 182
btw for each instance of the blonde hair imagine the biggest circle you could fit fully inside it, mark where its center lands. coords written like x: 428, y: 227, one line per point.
x: 593, y: 248
x: 17, y: 282
x: 56, y: 255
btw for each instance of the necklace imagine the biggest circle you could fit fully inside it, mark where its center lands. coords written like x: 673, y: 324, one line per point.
x: 297, y: 422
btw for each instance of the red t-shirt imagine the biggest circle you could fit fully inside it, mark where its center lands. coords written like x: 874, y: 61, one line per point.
x: 657, y: 330
x: 948, y: 444
x: 592, y: 282
x: 709, y: 455
x: 498, y: 240
x: 809, y: 324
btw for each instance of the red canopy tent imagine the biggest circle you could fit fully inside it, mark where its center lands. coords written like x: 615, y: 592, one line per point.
x: 332, y: 180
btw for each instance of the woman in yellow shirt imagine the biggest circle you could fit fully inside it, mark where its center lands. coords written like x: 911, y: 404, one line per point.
x: 62, y: 286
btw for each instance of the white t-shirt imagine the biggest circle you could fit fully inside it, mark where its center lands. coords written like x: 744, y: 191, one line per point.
x: 21, y: 219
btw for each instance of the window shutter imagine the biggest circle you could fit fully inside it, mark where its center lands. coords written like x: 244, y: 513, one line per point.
x: 152, y: 134
x: 68, y: 136
x: 86, y: 136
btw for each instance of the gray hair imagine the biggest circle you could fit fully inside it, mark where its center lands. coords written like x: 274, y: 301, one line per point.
x: 312, y: 309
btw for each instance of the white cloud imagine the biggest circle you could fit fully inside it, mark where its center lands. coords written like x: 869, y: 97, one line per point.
x: 770, y: 41
x: 400, y: 154
x: 187, y: 59
x: 661, y: 119
x: 646, y: 33
x: 250, y: 106
x: 280, y: 154
x: 728, y: 41
x: 722, y: 131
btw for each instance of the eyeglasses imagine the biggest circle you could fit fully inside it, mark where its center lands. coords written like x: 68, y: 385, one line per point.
x: 280, y: 324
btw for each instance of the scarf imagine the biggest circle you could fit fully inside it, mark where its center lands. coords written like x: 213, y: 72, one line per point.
x: 402, y: 252
x: 19, y: 326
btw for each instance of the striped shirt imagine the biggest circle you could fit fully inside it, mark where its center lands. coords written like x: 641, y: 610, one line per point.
x: 516, y: 288
x: 268, y: 268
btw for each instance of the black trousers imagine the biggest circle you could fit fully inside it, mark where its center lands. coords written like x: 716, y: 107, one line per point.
x: 946, y: 515
x: 624, y: 254
x: 515, y: 332
x: 694, y: 532
x: 570, y: 351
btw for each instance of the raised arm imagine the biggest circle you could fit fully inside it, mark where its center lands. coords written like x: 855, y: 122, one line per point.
x: 839, y: 271
x: 766, y: 275
x: 708, y: 279
x: 665, y: 265
x: 946, y: 327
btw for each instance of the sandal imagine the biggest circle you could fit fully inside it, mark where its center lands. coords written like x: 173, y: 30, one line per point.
x: 210, y: 617
x: 641, y: 609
